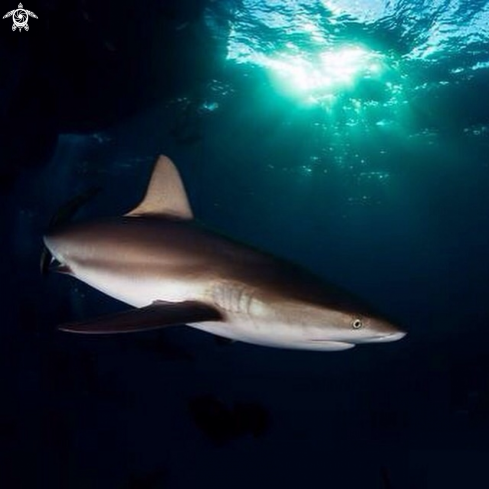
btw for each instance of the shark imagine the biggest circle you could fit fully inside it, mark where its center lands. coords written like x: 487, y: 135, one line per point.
x: 174, y: 270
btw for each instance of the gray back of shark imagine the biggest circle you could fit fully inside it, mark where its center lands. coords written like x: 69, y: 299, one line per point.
x: 173, y: 270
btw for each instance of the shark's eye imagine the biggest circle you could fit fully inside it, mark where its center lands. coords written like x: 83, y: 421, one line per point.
x: 357, y: 324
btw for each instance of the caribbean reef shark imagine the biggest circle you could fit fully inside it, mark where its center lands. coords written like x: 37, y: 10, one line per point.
x: 173, y: 270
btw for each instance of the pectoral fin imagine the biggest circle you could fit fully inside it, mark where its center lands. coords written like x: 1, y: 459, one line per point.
x: 159, y: 314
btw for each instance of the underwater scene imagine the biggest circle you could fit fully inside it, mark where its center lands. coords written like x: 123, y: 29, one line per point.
x: 283, y: 207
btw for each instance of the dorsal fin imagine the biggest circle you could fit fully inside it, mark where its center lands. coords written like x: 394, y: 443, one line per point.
x: 165, y: 194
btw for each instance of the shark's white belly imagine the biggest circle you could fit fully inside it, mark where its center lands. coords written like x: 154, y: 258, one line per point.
x: 276, y: 335
x: 139, y: 292
x: 245, y: 319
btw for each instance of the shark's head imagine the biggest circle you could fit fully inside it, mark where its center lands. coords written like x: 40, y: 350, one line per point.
x: 317, y: 316
x: 337, y: 327
x: 357, y: 327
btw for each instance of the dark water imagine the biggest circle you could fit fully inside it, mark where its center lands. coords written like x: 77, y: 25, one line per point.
x: 350, y: 137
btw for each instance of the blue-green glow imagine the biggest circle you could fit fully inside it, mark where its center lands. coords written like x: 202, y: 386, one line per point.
x: 357, y: 79
x: 308, y: 56
x: 319, y: 77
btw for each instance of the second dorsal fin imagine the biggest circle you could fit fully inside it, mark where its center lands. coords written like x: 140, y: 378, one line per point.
x: 165, y: 194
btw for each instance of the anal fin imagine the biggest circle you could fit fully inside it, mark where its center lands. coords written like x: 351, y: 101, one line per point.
x: 222, y: 341
x: 159, y: 314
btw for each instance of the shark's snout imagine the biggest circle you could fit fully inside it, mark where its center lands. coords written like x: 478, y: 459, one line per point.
x: 386, y: 338
x: 393, y: 336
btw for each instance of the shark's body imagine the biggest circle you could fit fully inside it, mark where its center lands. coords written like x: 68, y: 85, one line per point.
x: 159, y: 260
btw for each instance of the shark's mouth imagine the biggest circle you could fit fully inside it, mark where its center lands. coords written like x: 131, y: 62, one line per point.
x: 386, y: 338
x: 330, y: 345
